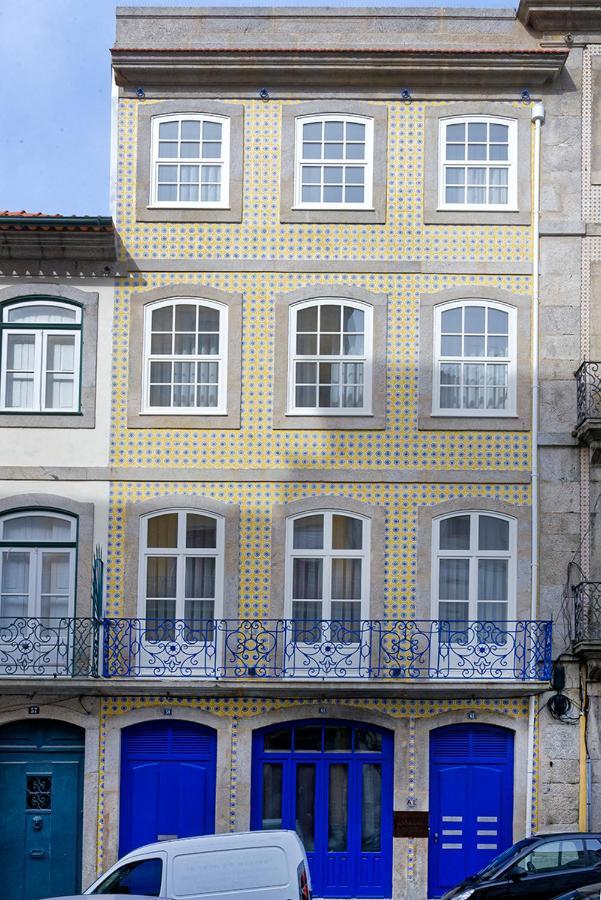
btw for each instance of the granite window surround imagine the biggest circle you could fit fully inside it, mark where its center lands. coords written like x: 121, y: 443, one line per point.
x: 84, y: 515
x: 290, y: 114
x: 330, y: 420
x: 88, y: 302
x: 227, y: 420
x: 281, y: 512
x: 145, y: 212
x: 521, y: 303
x: 229, y: 512
x: 426, y: 603
x: 432, y: 164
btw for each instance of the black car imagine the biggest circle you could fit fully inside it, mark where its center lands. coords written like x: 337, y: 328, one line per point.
x: 539, y: 868
x: 589, y: 892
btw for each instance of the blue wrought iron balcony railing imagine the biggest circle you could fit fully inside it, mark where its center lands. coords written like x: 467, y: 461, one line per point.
x: 276, y: 649
x: 587, y: 612
x: 326, y: 650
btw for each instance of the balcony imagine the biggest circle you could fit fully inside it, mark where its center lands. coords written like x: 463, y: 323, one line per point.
x: 588, y: 404
x: 253, y: 652
x: 587, y: 616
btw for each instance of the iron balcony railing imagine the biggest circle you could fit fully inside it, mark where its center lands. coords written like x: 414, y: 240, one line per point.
x: 588, y: 392
x: 587, y: 611
x: 327, y: 650
x: 53, y: 647
x: 258, y: 649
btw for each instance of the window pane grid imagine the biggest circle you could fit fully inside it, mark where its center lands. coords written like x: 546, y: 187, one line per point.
x: 333, y: 163
x: 476, y: 163
x: 189, y: 162
x: 40, y: 370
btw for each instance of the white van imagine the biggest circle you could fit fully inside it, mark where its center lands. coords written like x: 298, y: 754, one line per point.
x: 253, y: 865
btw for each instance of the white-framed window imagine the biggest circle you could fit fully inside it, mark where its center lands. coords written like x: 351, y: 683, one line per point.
x: 330, y: 357
x: 181, y: 568
x: 190, y: 161
x: 185, y: 357
x: 37, y: 564
x: 327, y: 568
x: 475, y: 359
x: 474, y: 568
x: 41, y: 352
x: 334, y: 162
x: 478, y: 163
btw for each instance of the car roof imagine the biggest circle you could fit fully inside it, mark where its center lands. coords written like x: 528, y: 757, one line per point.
x: 108, y: 897
x: 273, y: 836
x: 556, y: 835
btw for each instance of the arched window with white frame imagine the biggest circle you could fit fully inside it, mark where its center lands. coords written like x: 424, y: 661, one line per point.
x: 327, y: 568
x: 181, y: 568
x: 474, y: 568
x: 190, y: 161
x: 478, y: 163
x: 334, y: 162
x: 185, y: 357
x: 41, y: 352
x: 475, y: 369
x: 37, y: 564
x: 330, y: 357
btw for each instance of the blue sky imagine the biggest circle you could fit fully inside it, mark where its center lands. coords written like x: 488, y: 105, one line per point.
x: 55, y: 77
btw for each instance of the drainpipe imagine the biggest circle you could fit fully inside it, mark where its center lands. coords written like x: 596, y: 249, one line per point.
x: 538, y: 117
x: 584, y: 797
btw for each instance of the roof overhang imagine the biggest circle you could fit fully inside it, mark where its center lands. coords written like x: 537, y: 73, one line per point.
x: 57, y: 237
x: 350, y: 69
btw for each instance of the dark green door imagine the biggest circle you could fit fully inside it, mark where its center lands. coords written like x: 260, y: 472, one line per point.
x: 41, y: 798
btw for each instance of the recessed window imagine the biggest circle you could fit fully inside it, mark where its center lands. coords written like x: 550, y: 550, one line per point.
x: 475, y: 359
x: 478, y: 163
x: 474, y: 568
x: 330, y: 357
x: 185, y: 357
x: 328, y: 573
x: 334, y: 162
x: 41, y: 349
x: 37, y: 565
x: 190, y: 161
x: 181, y: 574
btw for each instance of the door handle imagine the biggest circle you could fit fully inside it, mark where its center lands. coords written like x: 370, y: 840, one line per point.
x: 435, y: 837
x: 37, y: 854
x: 37, y: 823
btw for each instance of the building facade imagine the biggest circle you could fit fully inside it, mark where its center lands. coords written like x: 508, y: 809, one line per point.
x: 339, y: 469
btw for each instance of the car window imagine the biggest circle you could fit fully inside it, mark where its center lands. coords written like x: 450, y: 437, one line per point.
x: 568, y: 854
x: 496, y: 864
x: 593, y: 847
x: 143, y: 876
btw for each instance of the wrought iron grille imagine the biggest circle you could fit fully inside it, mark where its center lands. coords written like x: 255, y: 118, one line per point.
x: 588, y: 392
x: 400, y: 650
x: 587, y: 611
x: 56, y: 647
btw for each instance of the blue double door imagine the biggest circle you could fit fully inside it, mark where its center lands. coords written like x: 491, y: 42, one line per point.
x: 332, y: 783
x: 471, y: 801
x: 41, y: 805
x: 167, y: 782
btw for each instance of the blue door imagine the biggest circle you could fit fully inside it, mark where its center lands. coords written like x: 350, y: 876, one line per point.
x: 167, y: 782
x: 331, y: 781
x: 471, y: 801
x: 41, y: 804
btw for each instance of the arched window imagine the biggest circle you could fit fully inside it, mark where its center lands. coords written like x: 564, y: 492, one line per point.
x: 474, y: 567
x: 478, y: 163
x: 190, y: 162
x: 330, y: 357
x: 185, y: 356
x: 327, y: 567
x: 475, y: 359
x: 181, y: 573
x: 37, y: 564
x: 41, y: 351
x: 334, y: 162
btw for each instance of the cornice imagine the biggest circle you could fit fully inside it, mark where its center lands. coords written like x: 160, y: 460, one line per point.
x: 544, y: 16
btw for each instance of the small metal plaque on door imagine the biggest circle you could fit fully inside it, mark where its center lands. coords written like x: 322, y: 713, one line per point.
x: 410, y: 824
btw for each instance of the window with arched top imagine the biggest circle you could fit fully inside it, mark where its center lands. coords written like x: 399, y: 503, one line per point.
x: 37, y: 564
x: 334, y: 162
x: 181, y: 567
x: 478, y: 163
x: 474, y: 568
x: 41, y: 353
x: 327, y: 567
x: 190, y: 161
x: 330, y: 357
x: 475, y: 359
x: 185, y: 359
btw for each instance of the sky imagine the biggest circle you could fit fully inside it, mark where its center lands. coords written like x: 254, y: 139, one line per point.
x: 55, y: 86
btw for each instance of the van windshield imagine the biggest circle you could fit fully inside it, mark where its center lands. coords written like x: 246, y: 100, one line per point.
x: 142, y: 876
x: 496, y: 864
